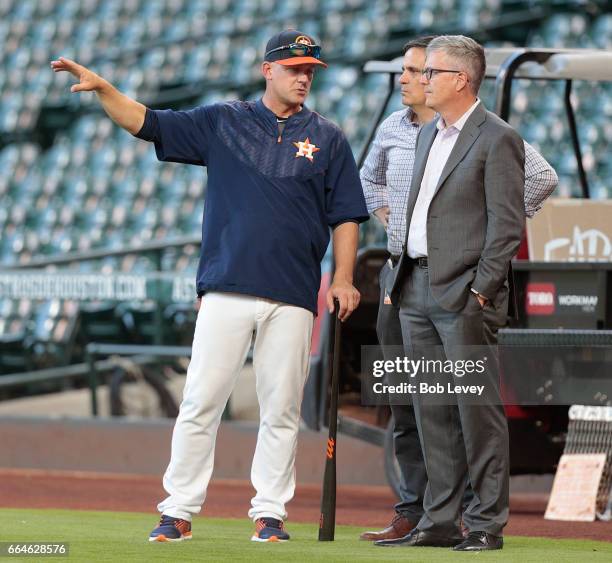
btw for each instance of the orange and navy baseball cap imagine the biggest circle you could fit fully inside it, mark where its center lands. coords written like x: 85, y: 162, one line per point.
x: 292, y: 47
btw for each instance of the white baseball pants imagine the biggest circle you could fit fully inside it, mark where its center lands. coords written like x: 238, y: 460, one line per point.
x: 223, y: 333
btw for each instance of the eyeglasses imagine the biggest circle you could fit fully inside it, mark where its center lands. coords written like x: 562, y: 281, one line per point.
x: 299, y: 50
x: 429, y: 73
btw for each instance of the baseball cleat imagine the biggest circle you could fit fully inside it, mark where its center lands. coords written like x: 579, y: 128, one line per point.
x: 171, y: 529
x: 269, y: 530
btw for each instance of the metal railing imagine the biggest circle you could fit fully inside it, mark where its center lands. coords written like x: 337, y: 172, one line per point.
x: 156, y: 249
x: 95, y: 349
x: 85, y: 371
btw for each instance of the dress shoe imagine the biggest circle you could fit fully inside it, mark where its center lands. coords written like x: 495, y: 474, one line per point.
x: 399, y: 527
x: 421, y: 539
x: 480, y: 541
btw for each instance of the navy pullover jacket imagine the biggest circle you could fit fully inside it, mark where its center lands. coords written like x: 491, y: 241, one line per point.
x: 270, y: 199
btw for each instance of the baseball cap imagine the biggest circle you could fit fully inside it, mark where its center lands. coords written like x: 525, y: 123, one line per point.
x: 292, y: 47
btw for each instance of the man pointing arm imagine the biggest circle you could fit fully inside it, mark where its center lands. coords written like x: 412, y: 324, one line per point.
x: 279, y: 178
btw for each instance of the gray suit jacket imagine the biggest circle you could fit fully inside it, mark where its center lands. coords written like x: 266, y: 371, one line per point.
x: 476, y: 217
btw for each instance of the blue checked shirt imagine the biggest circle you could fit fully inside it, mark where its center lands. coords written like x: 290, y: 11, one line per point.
x: 386, y: 174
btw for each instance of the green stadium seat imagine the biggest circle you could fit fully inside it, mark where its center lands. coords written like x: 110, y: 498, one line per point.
x: 601, y: 32
x: 563, y: 30
x: 139, y: 321
x: 180, y: 319
x: 100, y: 323
x: 14, y: 357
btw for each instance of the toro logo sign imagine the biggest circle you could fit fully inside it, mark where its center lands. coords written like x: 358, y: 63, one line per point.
x: 540, y: 299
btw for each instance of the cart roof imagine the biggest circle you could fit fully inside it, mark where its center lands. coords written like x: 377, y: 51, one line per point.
x: 562, y: 64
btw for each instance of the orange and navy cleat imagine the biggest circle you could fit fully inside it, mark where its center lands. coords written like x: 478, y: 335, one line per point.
x: 171, y: 529
x: 269, y: 530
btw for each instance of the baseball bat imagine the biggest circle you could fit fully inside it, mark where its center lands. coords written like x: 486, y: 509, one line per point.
x: 327, y: 520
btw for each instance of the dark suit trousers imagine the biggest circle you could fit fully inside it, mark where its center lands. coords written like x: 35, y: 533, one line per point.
x: 407, y: 446
x: 460, y: 443
x: 413, y: 477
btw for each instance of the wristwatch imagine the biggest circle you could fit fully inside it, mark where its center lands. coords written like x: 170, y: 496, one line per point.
x: 478, y: 294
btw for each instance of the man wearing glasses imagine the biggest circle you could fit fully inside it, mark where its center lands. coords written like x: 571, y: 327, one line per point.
x: 385, y: 177
x: 465, y: 216
x: 279, y: 176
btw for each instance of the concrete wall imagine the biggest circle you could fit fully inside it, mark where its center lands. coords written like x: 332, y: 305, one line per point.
x: 143, y: 447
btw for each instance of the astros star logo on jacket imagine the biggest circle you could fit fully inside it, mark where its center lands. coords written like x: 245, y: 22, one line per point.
x: 306, y: 149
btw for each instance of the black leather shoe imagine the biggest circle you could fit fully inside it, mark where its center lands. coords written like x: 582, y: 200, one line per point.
x: 480, y: 541
x: 421, y: 539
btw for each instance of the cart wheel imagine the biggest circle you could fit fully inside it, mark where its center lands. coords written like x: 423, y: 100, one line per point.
x: 392, y: 470
x: 141, y: 393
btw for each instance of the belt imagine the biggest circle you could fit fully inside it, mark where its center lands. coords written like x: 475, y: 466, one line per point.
x: 420, y: 262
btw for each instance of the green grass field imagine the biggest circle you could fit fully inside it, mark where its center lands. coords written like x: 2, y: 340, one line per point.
x: 122, y: 536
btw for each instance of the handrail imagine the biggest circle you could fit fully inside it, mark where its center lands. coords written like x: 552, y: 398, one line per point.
x: 88, y: 369
x: 97, y: 348
x: 94, y: 348
x: 152, y: 247
x: 107, y: 252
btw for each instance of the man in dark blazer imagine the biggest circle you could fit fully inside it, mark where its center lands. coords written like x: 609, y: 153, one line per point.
x: 465, y: 217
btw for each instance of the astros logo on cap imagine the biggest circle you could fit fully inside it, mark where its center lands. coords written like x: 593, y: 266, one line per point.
x: 303, y: 40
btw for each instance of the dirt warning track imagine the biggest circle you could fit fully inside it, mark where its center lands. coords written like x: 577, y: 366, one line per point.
x: 368, y: 507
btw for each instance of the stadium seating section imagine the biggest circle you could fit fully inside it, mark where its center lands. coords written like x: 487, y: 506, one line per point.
x: 72, y: 181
